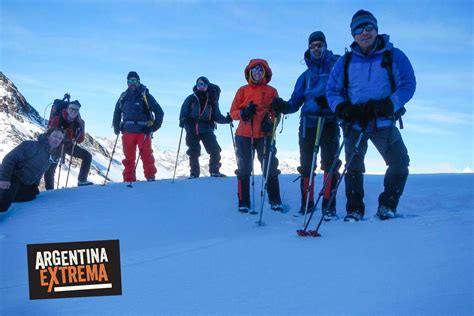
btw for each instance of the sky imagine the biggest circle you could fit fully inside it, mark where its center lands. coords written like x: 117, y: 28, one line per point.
x: 87, y: 47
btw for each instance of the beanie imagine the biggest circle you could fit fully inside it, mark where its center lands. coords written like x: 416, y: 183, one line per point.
x: 203, y: 79
x: 362, y: 17
x: 133, y: 74
x: 317, y: 36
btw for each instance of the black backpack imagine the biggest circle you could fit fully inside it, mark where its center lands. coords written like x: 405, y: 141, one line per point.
x: 58, y: 106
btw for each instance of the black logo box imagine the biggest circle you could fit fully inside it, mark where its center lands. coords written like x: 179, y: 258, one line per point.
x: 111, y: 287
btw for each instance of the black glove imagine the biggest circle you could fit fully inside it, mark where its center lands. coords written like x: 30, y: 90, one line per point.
x: 228, y: 119
x: 116, y: 129
x: 246, y: 113
x: 155, y: 127
x: 348, y: 112
x: 280, y: 106
x: 266, y: 125
x: 182, y: 122
x: 322, y: 101
x: 378, y: 108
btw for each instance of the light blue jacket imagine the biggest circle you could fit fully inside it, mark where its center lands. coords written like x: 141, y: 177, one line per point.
x: 311, y: 84
x: 369, y: 80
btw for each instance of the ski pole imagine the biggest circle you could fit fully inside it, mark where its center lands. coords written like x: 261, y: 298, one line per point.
x: 252, y: 148
x: 231, y: 125
x: 315, y: 233
x: 270, y: 154
x: 177, y: 154
x: 317, y: 142
x: 70, y: 161
x: 60, y: 165
x: 111, y: 157
x: 138, y: 158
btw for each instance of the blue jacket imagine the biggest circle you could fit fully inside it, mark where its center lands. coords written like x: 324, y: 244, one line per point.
x: 132, y: 113
x: 369, y: 80
x: 310, y: 84
x: 201, y: 118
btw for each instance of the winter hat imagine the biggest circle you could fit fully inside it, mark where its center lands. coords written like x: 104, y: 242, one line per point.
x: 133, y: 74
x: 317, y: 36
x: 74, y: 105
x: 203, y: 79
x: 362, y: 17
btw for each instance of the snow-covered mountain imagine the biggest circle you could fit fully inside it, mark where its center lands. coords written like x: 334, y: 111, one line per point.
x: 20, y: 121
x: 186, y: 250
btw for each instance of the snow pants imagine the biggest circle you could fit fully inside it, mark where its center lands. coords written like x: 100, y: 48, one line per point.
x: 130, y: 142
x: 209, y: 141
x: 329, y: 143
x: 80, y: 153
x: 245, y: 151
x: 18, y: 192
x: 390, y: 145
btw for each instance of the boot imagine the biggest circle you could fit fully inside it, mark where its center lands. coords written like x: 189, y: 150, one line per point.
x: 304, y: 185
x: 329, y: 211
x: 243, y: 193
x: 273, y: 189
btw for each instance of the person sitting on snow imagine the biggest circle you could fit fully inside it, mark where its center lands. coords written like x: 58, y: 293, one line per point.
x: 23, y: 167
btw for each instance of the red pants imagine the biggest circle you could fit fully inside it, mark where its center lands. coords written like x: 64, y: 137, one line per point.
x: 130, y: 142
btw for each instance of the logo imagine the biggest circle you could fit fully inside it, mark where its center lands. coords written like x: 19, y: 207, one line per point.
x: 74, y: 269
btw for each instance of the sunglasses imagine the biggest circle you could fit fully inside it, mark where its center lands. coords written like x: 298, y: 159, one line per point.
x: 73, y: 110
x: 133, y: 81
x: 201, y: 84
x: 315, y: 45
x: 257, y: 69
x: 367, y: 28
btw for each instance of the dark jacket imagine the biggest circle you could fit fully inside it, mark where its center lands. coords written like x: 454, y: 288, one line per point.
x: 28, y: 161
x: 134, y: 109
x: 200, y: 111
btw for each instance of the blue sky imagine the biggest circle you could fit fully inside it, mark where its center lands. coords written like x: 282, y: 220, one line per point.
x: 87, y: 47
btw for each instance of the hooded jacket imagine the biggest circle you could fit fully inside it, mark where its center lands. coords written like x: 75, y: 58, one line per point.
x: 201, y: 114
x: 28, y: 161
x: 261, y: 94
x: 368, y: 80
x: 311, y: 84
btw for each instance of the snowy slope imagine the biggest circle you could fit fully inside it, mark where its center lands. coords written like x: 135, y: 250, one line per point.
x: 186, y: 250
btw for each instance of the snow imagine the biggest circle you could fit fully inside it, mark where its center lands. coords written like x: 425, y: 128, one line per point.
x: 186, y: 250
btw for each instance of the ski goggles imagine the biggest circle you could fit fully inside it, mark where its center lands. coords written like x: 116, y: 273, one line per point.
x: 367, y: 28
x: 201, y: 84
x: 133, y: 81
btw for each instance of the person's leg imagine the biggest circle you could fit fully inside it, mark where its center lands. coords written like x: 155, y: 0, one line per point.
x: 263, y: 154
x: 49, y: 177
x: 26, y: 193
x: 86, y: 158
x: 147, y: 157
x: 244, y: 171
x: 329, y: 147
x: 306, y: 145
x: 194, y: 151
x: 390, y: 145
x: 129, y: 144
x: 209, y: 141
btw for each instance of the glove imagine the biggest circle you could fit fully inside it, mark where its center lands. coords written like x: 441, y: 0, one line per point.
x: 116, y: 130
x: 348, y: 112
x: 266, y: 125
x: 247, y: 112
x: 378, y: 108
x: 228, y: 119
x: 280, y: 106
x: 182, y: 122
x: 322, y: 102
x: 155, y: 127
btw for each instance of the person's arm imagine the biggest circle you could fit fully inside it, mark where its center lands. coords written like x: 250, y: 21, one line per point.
x: 18, y: 154
x: 404, y: 77
x: 157, y: 111
x: 117, y: 116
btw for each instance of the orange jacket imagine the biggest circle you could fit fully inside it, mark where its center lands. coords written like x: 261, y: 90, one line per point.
x: 262, y: 96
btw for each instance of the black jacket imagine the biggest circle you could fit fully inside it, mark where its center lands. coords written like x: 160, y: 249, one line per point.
x: 28, y: 161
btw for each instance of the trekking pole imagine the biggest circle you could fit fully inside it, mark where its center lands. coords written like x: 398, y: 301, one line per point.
x: 315, y: 233
x: 231, y: 125
x: 111, y: 157
x: 317, y: 142
x: 60, y: 165
x: 70, y: 161
x: 270, y: 154
x: 177, y: 154
x: 138, y: 158
x: 252, y: 149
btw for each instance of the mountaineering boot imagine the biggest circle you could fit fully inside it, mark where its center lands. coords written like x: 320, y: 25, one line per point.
x: 84, y: 183
x: 353, y: 216
x: 384, y: 212
x: 243, y: 194
x: 217, y: 174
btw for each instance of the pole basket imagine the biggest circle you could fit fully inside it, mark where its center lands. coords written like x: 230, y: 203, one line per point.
x: 308, y: 233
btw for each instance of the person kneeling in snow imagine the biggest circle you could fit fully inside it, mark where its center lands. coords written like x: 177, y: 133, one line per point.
x: 73, y: 125
x: 23, y: 167
x: 199, y: 113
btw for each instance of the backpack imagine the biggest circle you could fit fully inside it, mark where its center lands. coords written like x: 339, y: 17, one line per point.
x: 58, y: 106
x: 387, y: 62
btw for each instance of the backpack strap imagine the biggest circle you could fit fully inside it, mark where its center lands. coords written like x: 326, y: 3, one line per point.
x: 387, y: 62
x: 347, y: 60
